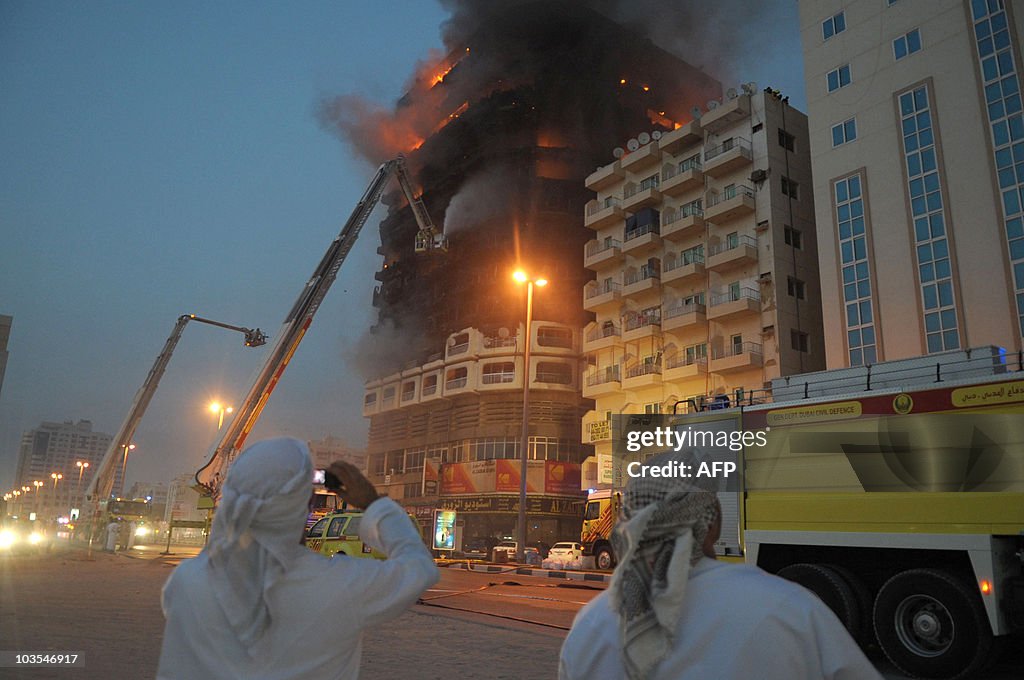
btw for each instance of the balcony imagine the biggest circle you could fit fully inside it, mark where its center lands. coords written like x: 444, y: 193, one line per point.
x: 430, y: 390
x: 646, y: 374
x: 731, y: 253
x: 685, y: 268
x: 602, y: 254
x: 726, y: 113
x: 726, y: 157
x: 682, y: 137
x: 494, y: 344
x: 689, y: 221
x: 737, y: 358
x: 641, y: 281
x: 641, y: 240
x: 603, y: 297
x: 734, y: 202
x: 602, y: 381
x: 734, y: 303
x: 683, y: 367
x: 641, y: 159
x: 604, y: 336
x: 604, y: 213
x: 643, y: 325
x: 635, y: 199
x: 680, y: 316
x: 606, y: 177
x: 676, y: 180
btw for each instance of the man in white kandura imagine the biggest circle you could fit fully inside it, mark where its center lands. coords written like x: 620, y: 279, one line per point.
x: 256, y: 604
x: 672, y: 611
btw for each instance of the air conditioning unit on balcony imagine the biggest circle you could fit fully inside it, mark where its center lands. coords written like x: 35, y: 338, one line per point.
x: 759, y: 175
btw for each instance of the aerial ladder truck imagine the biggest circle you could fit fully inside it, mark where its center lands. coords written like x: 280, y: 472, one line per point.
x: 428, y: 239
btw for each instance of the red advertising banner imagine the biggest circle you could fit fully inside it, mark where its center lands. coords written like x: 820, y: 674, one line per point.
x: 561, y: 478
x: 502, y: 476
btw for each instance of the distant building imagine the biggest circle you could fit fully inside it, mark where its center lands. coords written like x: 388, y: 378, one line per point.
x: 917, y: 146
x: 58, y: 448
x: 182, y: 501
x: 330, y: 449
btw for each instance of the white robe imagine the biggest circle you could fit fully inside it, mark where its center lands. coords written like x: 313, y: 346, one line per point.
x: 737, y: 622
x: 318, y: 610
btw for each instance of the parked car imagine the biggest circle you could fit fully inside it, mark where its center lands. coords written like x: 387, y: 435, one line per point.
x: 510, y: 550
x: 478, y: 548
x: 566, y: 551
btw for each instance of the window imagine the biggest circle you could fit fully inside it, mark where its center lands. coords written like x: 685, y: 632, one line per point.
x: 844, y: 132
x: 414, y: 459
x: 838, y: 78
x: 409, y: 490
x: 408, y: 390
x: 757, y: 128
x: 737, y: 344
x: 734, y: 291
x: 456, y: 378
x: 654, y: 408
x: 906, y: 44
x: 370, y: 399
x: 317, y: 529
x: 798, y: 340
x: 786, y: 140
x: 833, y: 25
x: 429, y: 384
x: 549, y: 336
x: 793, y: 237
x: 499, y: 372
x: 732, y: 240
x: 856, y: 275
x: 649, y: 183
x: 796, y: 288
x: 790, y: 188
x: 554, y: 373
x: 389, y: 395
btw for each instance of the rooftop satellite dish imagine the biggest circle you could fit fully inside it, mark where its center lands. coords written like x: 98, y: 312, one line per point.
x: 632, y: 145
x: 731, y: 93
x: 643, y: 138
x: 656, y: 135
x: 713, y: 104
x: 451, y: 342
x: 749, y: 88
x: 503, y: 333
x: 695, y: 112
x: 618, y: 152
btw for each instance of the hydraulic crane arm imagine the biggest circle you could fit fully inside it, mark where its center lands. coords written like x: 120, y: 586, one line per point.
x: 297, y: 322
x: 428, y: 237
x: 103, y: 481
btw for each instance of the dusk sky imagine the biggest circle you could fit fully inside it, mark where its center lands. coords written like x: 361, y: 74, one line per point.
x: 166, y: 158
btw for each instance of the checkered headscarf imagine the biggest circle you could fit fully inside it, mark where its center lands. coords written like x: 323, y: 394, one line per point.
x: 658, y: 538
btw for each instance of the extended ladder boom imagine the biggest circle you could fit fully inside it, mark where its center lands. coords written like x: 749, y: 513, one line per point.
x: 295, y: 325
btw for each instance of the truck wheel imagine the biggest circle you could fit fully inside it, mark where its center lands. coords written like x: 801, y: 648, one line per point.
x: 866, y: 634
x: 830, y: 588
x: 931, y: 625
x: 604, y: 558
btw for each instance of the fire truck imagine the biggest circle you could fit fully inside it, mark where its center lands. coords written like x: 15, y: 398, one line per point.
x: 894, y: 492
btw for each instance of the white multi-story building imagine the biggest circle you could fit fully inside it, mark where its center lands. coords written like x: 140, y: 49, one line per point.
x: 917, y: 145
x: 329, y: 449
x: 72, y: 451
x: 705, y: 261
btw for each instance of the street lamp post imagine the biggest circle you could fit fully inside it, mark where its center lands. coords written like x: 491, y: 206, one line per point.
x: 56, y: 477
x: 81, y: 465
x: 39, y: 492
x: 524, y: 443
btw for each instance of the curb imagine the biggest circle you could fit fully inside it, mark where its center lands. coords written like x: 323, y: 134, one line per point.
x: 530, y: 571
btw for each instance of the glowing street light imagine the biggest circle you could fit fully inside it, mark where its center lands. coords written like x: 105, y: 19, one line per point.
x: 220, y: 409
x: 524, y: 444
x: 124, y: 463
x: 81, y: 465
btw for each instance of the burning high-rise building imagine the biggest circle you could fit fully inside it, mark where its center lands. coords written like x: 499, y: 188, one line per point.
x: 500, y: 135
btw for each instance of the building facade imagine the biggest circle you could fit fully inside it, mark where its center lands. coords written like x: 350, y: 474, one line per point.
x: 917, y: 144
x: 69, y: 449
x: 5, y: 335
x: 329, y: 449
x: 704, y: 254
x: 520, y: 115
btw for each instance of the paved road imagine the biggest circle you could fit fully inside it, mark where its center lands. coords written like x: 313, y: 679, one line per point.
x: 500, y: 626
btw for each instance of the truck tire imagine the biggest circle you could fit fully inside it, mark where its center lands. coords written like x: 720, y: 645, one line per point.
x: 932, y: 625
x: 865, y: 603
x: 831, y: 589
x: 604, y: 558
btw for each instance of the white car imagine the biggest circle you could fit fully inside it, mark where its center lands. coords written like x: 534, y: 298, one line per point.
x: 566, y: 551
x: 510, y: 549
